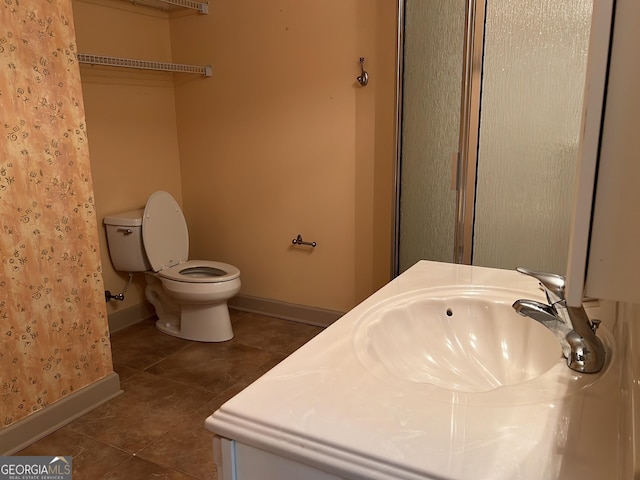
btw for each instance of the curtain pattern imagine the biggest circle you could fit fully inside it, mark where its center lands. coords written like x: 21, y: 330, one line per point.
x: 54, y: 336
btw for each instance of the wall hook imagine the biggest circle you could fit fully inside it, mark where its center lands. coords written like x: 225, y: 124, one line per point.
x: 363, y: 79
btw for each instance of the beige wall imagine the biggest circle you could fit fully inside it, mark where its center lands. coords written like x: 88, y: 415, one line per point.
x: 130, y: 117
x: 54, y: 337
x: 279, y: 141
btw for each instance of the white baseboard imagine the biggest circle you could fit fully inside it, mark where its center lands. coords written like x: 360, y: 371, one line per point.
x: 23, y: 433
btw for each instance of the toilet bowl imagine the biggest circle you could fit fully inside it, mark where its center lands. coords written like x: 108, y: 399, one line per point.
x: 189, y: 296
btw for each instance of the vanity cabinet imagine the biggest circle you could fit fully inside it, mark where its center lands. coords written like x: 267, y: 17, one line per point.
x: 238, y: 461
x: 350, y: 404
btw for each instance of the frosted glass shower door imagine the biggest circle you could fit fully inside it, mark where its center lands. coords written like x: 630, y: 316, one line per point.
x: 431, y: 90
x: 535, y: 56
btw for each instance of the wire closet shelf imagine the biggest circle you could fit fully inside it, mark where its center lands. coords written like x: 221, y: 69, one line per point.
x: 202, y: 7
x: 143, y: 64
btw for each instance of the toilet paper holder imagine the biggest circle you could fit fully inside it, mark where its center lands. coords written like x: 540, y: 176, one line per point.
x: 298, y: 241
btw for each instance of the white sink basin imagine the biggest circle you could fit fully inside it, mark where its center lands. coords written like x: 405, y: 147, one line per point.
x: 464, y: 340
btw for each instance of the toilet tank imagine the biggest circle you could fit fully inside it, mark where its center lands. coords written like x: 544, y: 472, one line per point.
x: 124, y: 239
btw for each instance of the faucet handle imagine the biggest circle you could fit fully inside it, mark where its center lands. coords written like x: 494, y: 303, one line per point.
x: 552, y: 282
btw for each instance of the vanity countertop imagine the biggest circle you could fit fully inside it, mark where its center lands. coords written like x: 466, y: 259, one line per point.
x: 323, y: 407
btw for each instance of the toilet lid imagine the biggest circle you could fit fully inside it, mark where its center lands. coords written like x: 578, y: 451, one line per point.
x: 164, y: 232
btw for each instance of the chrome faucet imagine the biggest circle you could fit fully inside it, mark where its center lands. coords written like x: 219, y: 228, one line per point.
x: 573, y: 329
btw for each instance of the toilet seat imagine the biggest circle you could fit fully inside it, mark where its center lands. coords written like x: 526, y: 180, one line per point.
x: 201, y: 271
x: 166, y: 242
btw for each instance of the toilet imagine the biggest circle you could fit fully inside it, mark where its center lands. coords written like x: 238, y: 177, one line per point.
x: 189, y: 296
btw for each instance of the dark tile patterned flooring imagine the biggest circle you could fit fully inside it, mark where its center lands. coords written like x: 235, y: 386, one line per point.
x: 155, y: 429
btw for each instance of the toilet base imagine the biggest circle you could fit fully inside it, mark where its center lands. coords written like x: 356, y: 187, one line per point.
x: 198, y: 322
x: 211, y: 324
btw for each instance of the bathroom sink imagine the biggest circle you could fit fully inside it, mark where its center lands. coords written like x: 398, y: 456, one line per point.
x: 464, y: 339
x: 434, y: 376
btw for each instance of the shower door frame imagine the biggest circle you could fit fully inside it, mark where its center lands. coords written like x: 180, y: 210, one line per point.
x: 467, y: 155
x: 464, y: 160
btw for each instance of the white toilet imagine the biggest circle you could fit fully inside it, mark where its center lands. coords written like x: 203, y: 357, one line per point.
x: 190, y: 296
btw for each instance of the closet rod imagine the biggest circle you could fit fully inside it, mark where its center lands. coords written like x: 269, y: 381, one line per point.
x: 143, y: 64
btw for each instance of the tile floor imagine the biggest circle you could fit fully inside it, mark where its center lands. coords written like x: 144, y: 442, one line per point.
x: 155, y: 429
